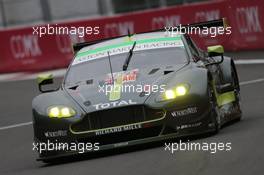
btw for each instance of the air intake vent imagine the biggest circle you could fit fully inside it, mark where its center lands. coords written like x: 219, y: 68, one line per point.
x: 153, y: 71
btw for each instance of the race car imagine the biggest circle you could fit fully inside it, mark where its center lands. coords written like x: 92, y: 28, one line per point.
x: 135, y: 89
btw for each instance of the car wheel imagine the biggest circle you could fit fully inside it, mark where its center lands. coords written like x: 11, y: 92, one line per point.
x: 215, y: 113
x: 237, y: 93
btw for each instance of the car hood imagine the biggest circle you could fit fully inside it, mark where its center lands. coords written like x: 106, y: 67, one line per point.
x: 136, y: 88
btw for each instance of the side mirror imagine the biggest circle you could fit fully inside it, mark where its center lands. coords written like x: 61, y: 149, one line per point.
x: 44, y: 79
x: 217, y: 50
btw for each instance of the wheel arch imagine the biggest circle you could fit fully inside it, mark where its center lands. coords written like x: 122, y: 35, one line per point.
x: 227, y: 67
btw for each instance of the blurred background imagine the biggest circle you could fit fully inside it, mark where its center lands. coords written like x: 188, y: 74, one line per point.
x: 28, y: 12
x: 24, y: 55
x: 22, y: 50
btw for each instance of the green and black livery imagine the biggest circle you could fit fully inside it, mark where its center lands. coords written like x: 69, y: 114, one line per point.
x: 200, y: 93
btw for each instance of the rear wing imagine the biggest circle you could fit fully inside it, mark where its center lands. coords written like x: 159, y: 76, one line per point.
x: 213, y: 23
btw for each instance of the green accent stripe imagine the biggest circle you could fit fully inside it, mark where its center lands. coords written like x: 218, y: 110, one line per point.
x: 127, y: 44
x: 115, y: 94
x: 43, y: 77
x: 226, y: 98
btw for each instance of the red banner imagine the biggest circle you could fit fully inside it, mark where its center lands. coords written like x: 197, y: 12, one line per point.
x: 22, y: 50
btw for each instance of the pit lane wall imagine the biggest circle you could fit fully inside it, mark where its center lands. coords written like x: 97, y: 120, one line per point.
x: 21, y: 50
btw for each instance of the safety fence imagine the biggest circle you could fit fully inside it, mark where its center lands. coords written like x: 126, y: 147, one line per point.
x: 23, y: 50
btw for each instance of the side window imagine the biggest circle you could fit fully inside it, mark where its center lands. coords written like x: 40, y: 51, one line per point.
x: 193, y: 48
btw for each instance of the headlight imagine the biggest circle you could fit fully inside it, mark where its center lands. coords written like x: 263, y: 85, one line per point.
x: 60, y: 112
x: 173, y: 93
x: 170, y: 94
x: 181, y: 90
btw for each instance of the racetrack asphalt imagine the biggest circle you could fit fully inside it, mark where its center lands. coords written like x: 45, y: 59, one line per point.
x: 246, y: 137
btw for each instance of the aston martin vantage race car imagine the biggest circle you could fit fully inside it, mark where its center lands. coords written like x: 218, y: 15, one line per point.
x: 135, y: 89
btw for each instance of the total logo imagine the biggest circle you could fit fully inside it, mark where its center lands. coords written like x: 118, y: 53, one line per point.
x: 114, y: 104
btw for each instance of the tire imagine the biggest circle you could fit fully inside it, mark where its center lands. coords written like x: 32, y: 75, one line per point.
x: 237, y: 92
x: 215, y: 114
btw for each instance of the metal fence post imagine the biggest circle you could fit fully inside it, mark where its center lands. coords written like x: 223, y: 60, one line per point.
x: 46, y: 10
x: 4, y: 21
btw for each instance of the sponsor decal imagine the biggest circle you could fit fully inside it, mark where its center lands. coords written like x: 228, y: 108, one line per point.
x: 119, y: 79
x: 193, y: 125
x: 128, y: 76
x: 115, y: 49
x: 118, y: 129
x: 187, y: 111
x: 114, y: 104
x: 25, y: 46
x: 118, y: 28
x: 248, y: 19
x: 59, y: 133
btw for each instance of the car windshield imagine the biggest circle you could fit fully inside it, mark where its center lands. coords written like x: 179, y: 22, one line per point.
x: 140, y: 59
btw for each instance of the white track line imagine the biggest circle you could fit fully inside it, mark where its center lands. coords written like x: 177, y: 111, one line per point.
x: 249, y: 61
x: 252, y: 81
x: 15, y: 125
x: 29, y: 76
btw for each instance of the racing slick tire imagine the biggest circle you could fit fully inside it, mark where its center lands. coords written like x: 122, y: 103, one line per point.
x: 215, y: 114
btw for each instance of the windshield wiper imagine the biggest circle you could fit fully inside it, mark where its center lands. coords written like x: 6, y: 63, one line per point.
x: 130, y: 53
x: 110, y: 65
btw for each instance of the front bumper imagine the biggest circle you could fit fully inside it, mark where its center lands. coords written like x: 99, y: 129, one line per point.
x: 125, y: 144
x: 177, y: 122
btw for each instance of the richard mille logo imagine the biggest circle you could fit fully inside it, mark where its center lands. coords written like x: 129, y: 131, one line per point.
x: 118, y: 129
